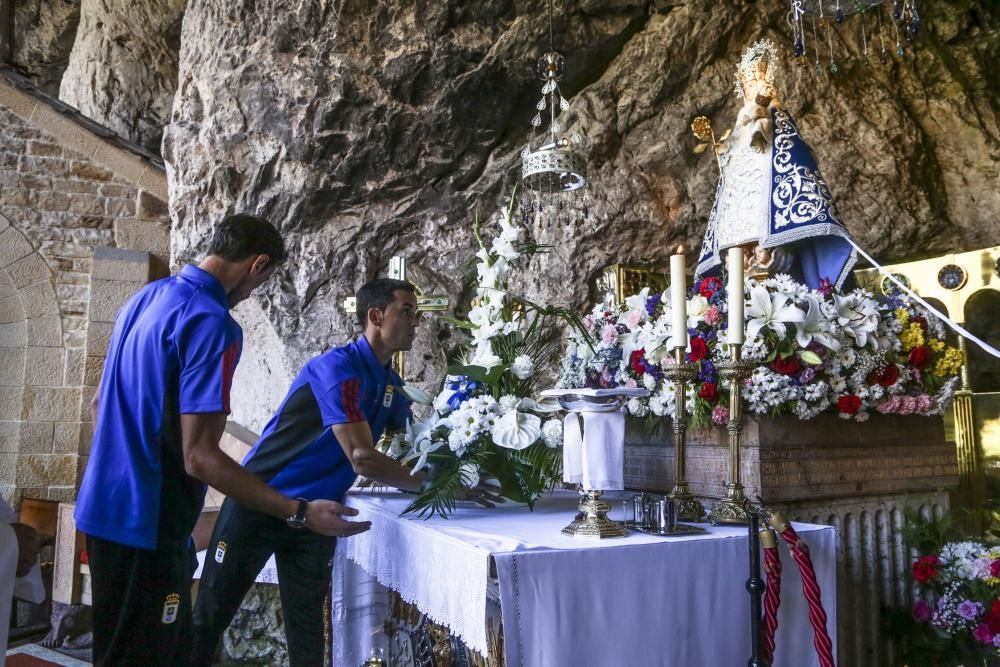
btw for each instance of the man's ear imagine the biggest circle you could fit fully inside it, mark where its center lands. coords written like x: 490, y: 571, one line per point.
x: 375, y: 316
x: 260, y: 264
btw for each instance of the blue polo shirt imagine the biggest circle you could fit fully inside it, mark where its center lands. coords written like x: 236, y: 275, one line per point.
x: 173, y: 351
x: 297, y: 453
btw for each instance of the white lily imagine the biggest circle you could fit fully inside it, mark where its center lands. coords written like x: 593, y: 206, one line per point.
x: 416, y: 395
x: 770, y: 310
x: 637, y: 301
x: 484, y: 356
x: 858, y: 316
x: 815, y: 327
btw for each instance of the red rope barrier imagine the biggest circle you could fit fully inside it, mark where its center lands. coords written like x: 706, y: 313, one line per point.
x: 772, y: 594
x: 817, y: 615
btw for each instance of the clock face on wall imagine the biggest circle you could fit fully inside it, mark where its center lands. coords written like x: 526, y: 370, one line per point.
x: 952, y: 276
x: 889, y: 288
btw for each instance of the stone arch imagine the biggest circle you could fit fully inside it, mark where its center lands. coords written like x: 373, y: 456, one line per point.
x: 39, y: 391
x: 982, y: 317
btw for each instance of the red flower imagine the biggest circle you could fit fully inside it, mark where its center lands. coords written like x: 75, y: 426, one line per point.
x: 925, y: 568
x: 992, y: 617
x: 710, y: 392
x: 922, y: 321
x: 920, y: 356
x: 699, y: 350
x: 786, y: 365
x: 995, y: 568
x: 886, y: 377
x: 709, y: 286
x: 849, y: 404
x: 635, y: 361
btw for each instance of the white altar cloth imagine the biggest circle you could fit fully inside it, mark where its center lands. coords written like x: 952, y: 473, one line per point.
x: 640, y: 600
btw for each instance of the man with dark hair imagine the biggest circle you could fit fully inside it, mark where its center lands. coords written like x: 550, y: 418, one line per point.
x: 159, y: 414
x: 321, y: 438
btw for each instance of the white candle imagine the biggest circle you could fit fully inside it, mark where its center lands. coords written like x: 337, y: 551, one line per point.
x: 734, y: 266
x: 678, y: 299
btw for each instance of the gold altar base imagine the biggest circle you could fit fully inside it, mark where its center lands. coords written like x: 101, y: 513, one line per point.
x: 730, y: 510
x: 681, y: 373
x: 592, y: 521
x: 687, y: 506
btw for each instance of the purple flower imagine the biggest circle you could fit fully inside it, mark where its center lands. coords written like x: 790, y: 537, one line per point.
x: 651, y: 303
x: 807, y: 375
x: 969, y: 610
x: 922, y: 611
x: 982, y: 634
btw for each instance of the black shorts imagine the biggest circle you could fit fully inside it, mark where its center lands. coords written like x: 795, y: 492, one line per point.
x: 141, y: 602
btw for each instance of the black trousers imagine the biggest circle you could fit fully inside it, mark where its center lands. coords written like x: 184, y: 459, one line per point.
x: 141, y: 603
x: 241, y: 543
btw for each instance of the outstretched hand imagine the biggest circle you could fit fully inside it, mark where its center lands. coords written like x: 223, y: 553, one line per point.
x: 324, y: 517
x: 483, y: 494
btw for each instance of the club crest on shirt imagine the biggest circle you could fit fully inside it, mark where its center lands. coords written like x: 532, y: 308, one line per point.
x: 387, y: 399
x: 170, y: 607
x: 220, y: 552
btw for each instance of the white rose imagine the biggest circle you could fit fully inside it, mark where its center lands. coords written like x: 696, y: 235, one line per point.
x: 522, y: 367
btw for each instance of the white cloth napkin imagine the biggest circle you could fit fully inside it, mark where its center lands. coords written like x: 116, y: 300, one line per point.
x: 594, y: 450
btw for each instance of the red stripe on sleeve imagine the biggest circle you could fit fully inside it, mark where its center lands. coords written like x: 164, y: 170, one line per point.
x: 228, y: 369
x: 349, y: 397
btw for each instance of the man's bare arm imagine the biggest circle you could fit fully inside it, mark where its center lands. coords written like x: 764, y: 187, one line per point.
x: 204, y: 460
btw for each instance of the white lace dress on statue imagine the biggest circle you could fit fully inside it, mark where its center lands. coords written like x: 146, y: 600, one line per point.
x: 743, y: 207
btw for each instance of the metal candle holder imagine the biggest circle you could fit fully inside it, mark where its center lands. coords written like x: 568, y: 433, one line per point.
x: 730, y: 510
x: 681, y: 372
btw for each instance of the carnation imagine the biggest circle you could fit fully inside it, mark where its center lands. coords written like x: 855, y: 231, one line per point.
x: 522, y: 367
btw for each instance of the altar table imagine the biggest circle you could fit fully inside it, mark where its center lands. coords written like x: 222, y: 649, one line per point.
x: 639, y: 600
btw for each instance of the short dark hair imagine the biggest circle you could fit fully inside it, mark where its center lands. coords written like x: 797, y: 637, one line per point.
x: 243, y: 235
x: 379, y: 293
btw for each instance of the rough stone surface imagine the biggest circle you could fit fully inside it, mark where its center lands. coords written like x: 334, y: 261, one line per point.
x: 257, y: 634
x: 369, y: 132
x: 44, y: 31
x: 122, y: 71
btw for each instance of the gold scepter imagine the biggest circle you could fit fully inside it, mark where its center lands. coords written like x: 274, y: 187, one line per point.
x: 702, y: 128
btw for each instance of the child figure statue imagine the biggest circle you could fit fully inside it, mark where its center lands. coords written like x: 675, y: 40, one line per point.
x: 771, y: 198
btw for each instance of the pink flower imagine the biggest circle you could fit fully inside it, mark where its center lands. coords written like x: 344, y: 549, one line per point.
x: 982, y: 634
x: 907, y: 405
x: 713, y: 316
x: 632, y: 318
x: 609, y: 334
x: 922, y: 611
x: 630, y: 384
x: 924, y: 404
x: 720, y: 414
x: 885, y: 407
x: 588, y: 322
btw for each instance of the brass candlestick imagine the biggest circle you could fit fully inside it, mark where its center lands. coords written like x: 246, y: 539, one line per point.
x: 681, y: 372
x: 730, y: 509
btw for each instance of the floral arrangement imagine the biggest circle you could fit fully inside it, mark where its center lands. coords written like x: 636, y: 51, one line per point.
x: 959, y: 595
x: 815, y: 351
x: 484, y: 421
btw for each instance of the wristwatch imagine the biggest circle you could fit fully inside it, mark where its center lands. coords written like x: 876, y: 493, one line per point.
x: 298, y: 520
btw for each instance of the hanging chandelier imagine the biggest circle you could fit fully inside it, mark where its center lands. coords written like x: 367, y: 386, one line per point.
x: 553, y: 171
x: 882, y: 26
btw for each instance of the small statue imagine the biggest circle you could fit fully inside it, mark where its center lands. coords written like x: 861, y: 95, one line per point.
x: 771, y: 199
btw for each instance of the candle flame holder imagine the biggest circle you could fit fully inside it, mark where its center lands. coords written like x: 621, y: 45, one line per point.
x: 731, y: 509
x: 682, y: 373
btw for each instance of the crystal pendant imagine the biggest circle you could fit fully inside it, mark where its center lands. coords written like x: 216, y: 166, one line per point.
x: 884, y: 56
x: 897, y: 10
x: 839, y: 16
x: 899, y: 50
x: 915, y: 24
x: 798, y: 48
x: 833, y: 68
x: 819, y: 69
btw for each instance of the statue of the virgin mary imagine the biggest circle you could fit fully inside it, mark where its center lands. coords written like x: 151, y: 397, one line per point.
x: 771, y: 198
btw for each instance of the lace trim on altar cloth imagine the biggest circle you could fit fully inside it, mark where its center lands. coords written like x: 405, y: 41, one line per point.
x: 444, y: 577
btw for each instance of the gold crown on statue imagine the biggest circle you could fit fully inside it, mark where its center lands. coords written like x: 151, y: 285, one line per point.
x: 760, y: 63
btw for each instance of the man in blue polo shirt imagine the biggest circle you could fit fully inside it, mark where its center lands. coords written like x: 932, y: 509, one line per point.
x: 322, y: 436
x: 158, y: 415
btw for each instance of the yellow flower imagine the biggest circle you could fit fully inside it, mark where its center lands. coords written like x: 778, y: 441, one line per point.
x: 911, y: 337
x: 950, y: 363
x: 903, y: 315
x: 936, y: 344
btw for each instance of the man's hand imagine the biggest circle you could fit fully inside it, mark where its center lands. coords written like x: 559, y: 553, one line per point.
x: 484, y: 494
x: 27, y: 547
x: 323, y: 516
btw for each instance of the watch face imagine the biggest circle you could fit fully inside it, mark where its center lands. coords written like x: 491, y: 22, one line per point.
x: 952, y: 276
x: 890, y: 288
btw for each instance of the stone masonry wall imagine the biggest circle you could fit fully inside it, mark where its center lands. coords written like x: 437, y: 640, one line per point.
x: 57, y: 204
